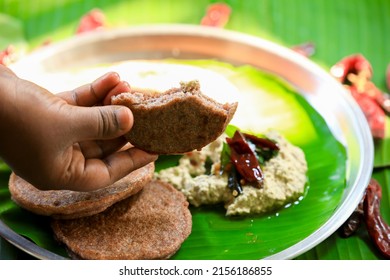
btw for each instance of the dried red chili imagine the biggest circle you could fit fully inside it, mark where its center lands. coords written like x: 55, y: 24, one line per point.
x: 353, y: 223
x: 377, y: 228
x: 355, y: 73
x: 245, y: 160
x: 91, y: 21
x: 380, y: 97
x: 217, y: 15
x: 355, y: 64
x: 306, y: 49
x: 6, y: 55
x: 263, y: 143
x: 374, y: 114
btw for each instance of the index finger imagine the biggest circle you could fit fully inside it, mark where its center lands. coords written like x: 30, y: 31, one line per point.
x: 93, y: 93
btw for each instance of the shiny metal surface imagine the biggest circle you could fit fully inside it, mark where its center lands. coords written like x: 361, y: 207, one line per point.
x: 327, y: 96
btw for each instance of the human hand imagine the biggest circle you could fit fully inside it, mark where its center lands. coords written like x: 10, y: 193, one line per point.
x: 68, y: 140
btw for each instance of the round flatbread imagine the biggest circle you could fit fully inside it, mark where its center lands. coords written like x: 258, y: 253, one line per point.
x: 176, y: 121
x: 149, y: 225
x: 66, y: 204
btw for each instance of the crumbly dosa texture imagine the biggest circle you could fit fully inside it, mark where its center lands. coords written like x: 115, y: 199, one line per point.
x: 66, y: 204
x: 149, y: 225
x: 176, y: 121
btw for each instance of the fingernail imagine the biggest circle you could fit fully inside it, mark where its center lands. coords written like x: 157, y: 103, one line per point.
x: 124, y: 118
x: 109, y: 74
x: 126, y: 85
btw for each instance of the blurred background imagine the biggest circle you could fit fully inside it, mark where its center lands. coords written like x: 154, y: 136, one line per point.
x: 331, y: 29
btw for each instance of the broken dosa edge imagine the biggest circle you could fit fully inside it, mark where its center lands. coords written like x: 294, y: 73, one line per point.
x: 176, y: 121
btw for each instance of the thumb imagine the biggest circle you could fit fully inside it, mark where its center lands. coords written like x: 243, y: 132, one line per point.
x: 101, y: 122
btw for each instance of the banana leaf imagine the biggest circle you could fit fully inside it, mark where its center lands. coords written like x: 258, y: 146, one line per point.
x: 12, y: 33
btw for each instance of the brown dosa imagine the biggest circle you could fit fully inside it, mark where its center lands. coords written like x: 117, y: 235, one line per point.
x: 149, y: 225
x: 177, y: 121
x: 67, y: 204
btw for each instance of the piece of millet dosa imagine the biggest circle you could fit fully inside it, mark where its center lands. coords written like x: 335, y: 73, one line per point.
x: 176, y: 121
x: 149, y: 225
x: 66, y: 204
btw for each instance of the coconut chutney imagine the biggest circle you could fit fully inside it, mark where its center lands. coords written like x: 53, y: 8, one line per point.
x: 198, y: 176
